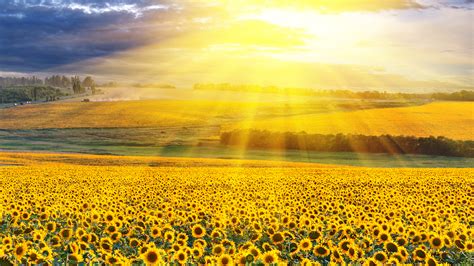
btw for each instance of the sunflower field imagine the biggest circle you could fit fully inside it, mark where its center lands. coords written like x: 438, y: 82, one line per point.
x: 136, y: 215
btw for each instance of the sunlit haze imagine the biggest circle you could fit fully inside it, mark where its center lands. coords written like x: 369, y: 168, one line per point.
x: 396, y: 45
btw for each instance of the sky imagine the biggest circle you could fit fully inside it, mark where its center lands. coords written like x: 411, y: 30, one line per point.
x: 394, y: 45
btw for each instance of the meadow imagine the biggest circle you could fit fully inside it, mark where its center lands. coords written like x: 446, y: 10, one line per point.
x: 131, y: 210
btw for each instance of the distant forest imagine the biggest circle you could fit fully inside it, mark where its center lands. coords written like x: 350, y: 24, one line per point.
x: 23, y: 89
x: 29, y: 93
x: 463, y: 95
x: 262, y: 139
x: 53, y: 81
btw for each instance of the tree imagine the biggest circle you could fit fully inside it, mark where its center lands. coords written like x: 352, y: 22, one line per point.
x: 88, y: 82
x: 76, y: 85
x: 93, y: 89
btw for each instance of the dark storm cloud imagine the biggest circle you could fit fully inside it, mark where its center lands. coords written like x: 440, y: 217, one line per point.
x: 39, y: 34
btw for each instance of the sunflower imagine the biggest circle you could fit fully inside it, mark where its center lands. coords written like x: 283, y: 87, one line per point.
x: 241, y: 258
x: 25, y: 216
x: 383, y: 236
x: 34, y: 257
x: 380, y: 257
x: 447, y: 241
x: 372, y: 262
x: 365, y: 243
x: 269, y: 258
x: 134, y: 243
x: 169, y: 236
x: 7, y: 241
x: 85, y: 238
x: 293, y: 248
x: 397, y: 257
x: 20, y: 250
x: 469, y: 245
x: 277, y: 238
x: 198, y: 231
x: 176, y: 247
x: 83, y: 246
x: 314, y: 235
x: 403, y: 253
x: 305, y: 244
x: 401, y: 241
x: 46, y: 253
x: 73, y: 247
x: 197, y: 252
x: 200, y: 243
x: 306, y: 262
x: 393, y: 261
x: 459, y: 244
x: 336, y: 256
x: 216, y: 233
x: 106, y: 244
x: 111, y: 229
x: 66, y: 233
x: 155, y: 232
x: 266, y: 247
x: 255, y: 236
x: 75, y: 258
x: 151, y: 256
x: 436, y: 242
x: 112, y: 260
x: 254, y: 251
x: 344, y: 245
x: 430, y: 261
x: 225, y: 259
x: 352, y: 253
x: 181, y: 256
x: 109, y: 216
x: 80, y: 232
x: 321, y: 251
x: 419, y: 254
x: 55, y: 241
x: 391, y: 247
x: 208, y: 260
x: 116, y: 237
x: 217, y: 250
x: 51, y: 226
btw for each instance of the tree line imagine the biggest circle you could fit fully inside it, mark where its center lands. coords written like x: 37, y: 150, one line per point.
x: 263, y: 139
x: 29, y: 93
x: 75, y: 83
x: 463, y: 95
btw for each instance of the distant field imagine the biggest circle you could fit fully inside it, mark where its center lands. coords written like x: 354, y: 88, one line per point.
x: 454, y: 120
x: 167, y: 113
x: 191, y: 128
x: 450, y: 119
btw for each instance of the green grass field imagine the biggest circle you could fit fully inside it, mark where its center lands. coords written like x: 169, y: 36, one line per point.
x: 176, y: 142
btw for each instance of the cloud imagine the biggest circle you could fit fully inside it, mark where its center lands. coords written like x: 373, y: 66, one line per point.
x: 39, y: 34
x: 334, y: 6
x: 455, y: 4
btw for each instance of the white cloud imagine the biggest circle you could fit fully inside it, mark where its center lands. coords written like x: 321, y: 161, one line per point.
x: 93, y: 8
